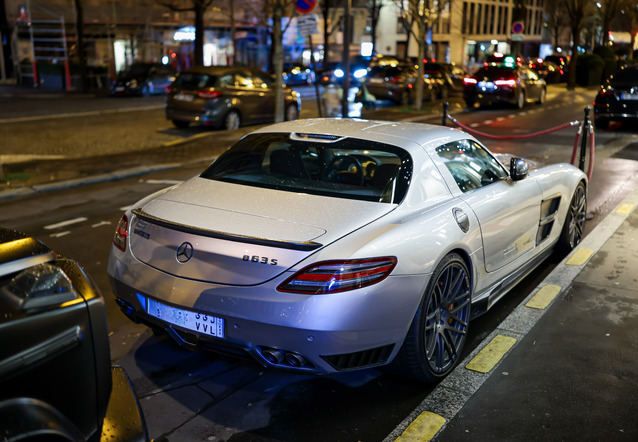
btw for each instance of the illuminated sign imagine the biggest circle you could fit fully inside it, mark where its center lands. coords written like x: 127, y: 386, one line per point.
x: 187, y: 33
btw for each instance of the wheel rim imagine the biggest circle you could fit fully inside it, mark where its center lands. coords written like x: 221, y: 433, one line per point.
x: 521, y: 100
x: 232, y: 121
x: 577, y: 213
x: 447, y: 318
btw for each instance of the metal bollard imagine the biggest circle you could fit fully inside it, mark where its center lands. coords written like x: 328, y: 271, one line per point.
x: 583, y: 140
x: 445, y: 105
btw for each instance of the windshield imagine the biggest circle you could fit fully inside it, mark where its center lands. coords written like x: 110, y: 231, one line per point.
x: 316, y: 164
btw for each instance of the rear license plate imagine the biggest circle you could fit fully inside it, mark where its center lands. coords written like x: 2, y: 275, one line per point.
x: 629, y: 96
x: 119, y: 89
x: 184, y: 97
x: 376, y: 80
x: 209, y: 325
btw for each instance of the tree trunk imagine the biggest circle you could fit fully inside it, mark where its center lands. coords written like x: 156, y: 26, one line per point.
x: 199, y: 34
x: 571, y: 77
x: 79, y: 29
x: 278, y: 65
x: 233, y: 32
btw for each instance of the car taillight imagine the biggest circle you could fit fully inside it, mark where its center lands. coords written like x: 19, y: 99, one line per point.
x: 470, y: 81
x: 169, y: 89
x: 119, y: 239
x: 395, y: 79
x: 209, y: 94
x: 511, y: 82
x: 328, y: 277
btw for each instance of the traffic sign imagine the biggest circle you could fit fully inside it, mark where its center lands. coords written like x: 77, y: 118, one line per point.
x: 305, y: 6
x: 518, y: 27
x: 307, y: 25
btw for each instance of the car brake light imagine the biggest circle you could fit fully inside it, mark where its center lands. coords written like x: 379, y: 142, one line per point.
x: 510, y: 82
x: 395, y: 79
x: 328, y: 277
x: 209, y: 94
x: 169, y: 89
x: 469, y: 81
x: 119, y: 240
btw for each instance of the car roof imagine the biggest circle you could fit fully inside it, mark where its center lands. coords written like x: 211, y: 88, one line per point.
x: 217, y: 70
x: 411, y: 137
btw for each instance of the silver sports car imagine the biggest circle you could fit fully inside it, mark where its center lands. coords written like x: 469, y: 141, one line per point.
x: 328, y: 245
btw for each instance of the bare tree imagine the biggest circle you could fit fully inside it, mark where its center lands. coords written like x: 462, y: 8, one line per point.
x: 199, y: 8
x: 556, y: 20
x: 628, y: 21
x: 374, y: 7
x: 332, y: 13
x: 576, y: 11
x: 420, y: 14
x: 271, y: 16
x: 607, y: 12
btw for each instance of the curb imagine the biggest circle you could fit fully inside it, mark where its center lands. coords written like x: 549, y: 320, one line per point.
x: 430, y: 418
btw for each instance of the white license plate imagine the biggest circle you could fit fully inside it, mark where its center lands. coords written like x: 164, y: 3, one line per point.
x: 376, y: 80
x: 629, y: 96
x: 119, y: 88
x: 207, y: 324
x: 184, y: 97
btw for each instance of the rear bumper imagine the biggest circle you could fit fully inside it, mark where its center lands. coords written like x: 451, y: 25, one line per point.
x: 363, y: 327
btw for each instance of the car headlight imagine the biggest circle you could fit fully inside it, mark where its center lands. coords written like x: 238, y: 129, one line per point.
x: 40, y: 286
x: 339, y: 73
x: 360, y: 73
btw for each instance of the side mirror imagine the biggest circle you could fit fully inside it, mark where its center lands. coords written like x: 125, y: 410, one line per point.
x: 518, y: 169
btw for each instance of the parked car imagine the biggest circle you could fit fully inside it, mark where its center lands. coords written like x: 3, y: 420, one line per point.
x: 226, y: 97
x: 504, y: 84
x: 617, y: 99
x: 297, y: 74
x: 392, y: 82
x: 449, y: 77
x: 143, y: 79
x: 56, y: 378
x: 547, y: 70
x: 330, y: 245
x: 562, y: 61
x: 333, y: 72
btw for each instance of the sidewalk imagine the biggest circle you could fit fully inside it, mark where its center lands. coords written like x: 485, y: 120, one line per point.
x: 563, y: 366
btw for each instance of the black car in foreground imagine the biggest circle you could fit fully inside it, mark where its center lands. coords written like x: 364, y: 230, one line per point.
x: 617, y: 99
x: 143, y: 79
x: 496, y: 83
x: 56, y: 378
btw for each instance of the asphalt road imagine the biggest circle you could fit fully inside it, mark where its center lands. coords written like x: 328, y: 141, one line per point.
x: 193, y: 396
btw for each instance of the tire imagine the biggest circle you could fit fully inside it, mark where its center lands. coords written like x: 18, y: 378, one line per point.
x: 436, y: 337
x: 572, y: 233
x: 520, y: 100
x: 470, y: 103
x: 181, y: 124
x: 542, y: 96
x: 232, y: 120
x: 601, y: 123
x: 291, y: 112
x: 146, y: 90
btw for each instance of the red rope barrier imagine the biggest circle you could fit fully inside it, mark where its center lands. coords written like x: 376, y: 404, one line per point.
x: 592, y: 143
x: 510, y: 137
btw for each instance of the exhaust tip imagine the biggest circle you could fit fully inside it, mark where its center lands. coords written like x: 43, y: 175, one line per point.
x: 295, y: 360
x: 273, y: 355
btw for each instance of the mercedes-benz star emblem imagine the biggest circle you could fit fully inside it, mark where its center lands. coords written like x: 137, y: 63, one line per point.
x: 184, y: 252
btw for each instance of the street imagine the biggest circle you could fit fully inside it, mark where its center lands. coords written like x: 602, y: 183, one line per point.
x: 200, y: 396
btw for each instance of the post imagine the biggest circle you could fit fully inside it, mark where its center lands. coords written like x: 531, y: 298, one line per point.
x: 583, y: 140
x: 346, y: 59
x: 445, y: 105
x: 314, y: 69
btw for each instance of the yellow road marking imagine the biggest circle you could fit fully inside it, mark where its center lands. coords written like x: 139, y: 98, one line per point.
x: 487, y: 358
x: 423, y: 428
x: 580, y: 257
x: 625, y: 208
x: 544, y: 296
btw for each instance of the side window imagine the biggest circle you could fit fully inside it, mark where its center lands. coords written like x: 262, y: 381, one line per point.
x: 471, y: 165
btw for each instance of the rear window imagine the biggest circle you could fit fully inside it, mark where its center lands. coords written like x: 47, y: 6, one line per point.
x: 316, y: 164
x: 495, y: 72
x: 189, y: 80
